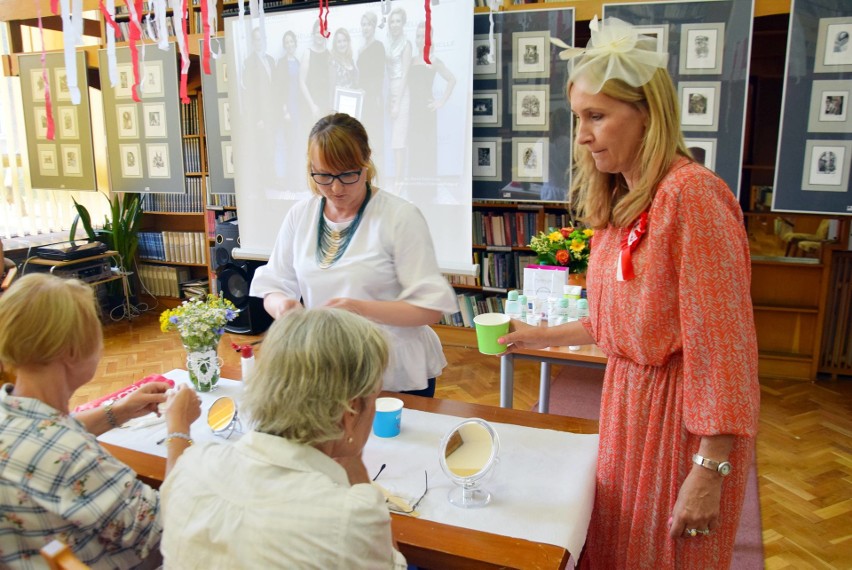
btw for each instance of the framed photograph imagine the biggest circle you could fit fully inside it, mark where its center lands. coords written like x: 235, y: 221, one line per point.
x: 834, y: 45
x: 68, y: 128
x: 60, y: 87
x: 487, y: 58
x: 531, y: 55
x: 228, y: 159
x: 827, y: 166
x: 658, y: 33
x: 151, y: 84
x: 48, y: 165
x: 699, y: 105
x: 829, y: 108
x: 703, y: 151
x: 701, y: 48
x: 158, y: 160
x: 40, y: 122
x: 131, y: 160
x: 37, y: 85
x: 487, y: 159
x: 529, y: 159
x: 71, y: 160
x: 221, y: 75
x: 349, y: 101
x: 124, y: 87
x: 128, y: 122
x: 154, y: 118
x: 224, y: 117
x: 530, y: 107
x: 487, y: 109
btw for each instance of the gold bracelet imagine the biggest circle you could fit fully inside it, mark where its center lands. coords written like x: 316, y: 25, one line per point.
x: 177, y: 435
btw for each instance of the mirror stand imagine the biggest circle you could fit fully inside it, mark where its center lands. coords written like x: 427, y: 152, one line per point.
x: 469, y: 495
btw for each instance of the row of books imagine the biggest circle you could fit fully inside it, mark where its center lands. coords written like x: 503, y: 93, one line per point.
x: 189, y: 117
x: 222, y: 200
x: 233, y: 9
x: 192, y: 155
x: 470, y: 305
x: 502, y: 270
x: 175, y: 247
x: 163, y: 280
x: 191, y: 201
x: 195, y: 288
x: 511, y: 228
x: 149, y: 27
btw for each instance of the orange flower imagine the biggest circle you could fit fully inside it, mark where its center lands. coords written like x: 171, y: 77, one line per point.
x: 562, y: 257
x: 566, y: 232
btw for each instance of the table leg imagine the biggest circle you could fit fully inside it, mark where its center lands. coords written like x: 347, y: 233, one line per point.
x: 544, y: 389
x: 507, y: 380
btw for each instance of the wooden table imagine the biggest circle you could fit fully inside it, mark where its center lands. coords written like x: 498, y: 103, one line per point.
x: 588, y: 355
x: 430, y: 544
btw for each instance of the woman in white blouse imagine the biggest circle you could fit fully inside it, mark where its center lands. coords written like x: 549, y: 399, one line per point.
x: 293, y: 492
x: 354, y: 247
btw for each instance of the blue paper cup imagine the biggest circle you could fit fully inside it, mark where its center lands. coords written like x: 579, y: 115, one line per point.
x: 388, y: 417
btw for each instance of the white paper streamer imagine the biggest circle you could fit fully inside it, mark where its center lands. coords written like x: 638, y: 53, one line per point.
x: 179, y: 16
x: 493, y: 5
x: 211, y: 19
x: 160, y: 19
x: 112, y: 63
x: 72, y: 28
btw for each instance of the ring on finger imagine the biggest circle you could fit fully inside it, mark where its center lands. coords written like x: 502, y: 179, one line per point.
x: 693, y: 532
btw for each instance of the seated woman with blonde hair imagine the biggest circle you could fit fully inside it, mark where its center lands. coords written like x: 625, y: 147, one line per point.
x: 293, y: 492
x: 56, y: 481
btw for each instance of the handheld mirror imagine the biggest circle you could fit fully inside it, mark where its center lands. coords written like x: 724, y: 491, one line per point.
x: 468, y: 455
x: 222, y: 417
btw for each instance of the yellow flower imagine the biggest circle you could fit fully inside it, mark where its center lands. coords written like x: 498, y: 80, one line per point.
x: 588, y: 233
x: 555, y: 236
x: 578, y: 245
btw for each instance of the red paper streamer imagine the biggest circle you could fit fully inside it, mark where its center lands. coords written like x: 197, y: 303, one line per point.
x: 48, y: 105
x: 629, y: 243
x: 205, y: 26
x: 54, y: 6
x: 184, y: 72
x: 109, y: 19
x: 427, y: 44
x: 323, y: 20
x: 135, y: 36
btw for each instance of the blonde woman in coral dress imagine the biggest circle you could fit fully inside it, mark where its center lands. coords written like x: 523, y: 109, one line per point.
x: 670, y: 305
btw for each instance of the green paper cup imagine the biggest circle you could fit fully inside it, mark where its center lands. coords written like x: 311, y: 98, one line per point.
x: 490, y: 327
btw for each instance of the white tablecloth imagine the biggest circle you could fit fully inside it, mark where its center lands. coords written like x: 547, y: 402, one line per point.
x: 542, y: 490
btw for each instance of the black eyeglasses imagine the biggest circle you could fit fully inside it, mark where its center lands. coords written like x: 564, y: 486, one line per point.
x: 400, y: 505
x: 324, y: 179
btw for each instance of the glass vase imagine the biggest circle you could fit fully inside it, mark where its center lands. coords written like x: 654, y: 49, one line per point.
x: 204, y: 366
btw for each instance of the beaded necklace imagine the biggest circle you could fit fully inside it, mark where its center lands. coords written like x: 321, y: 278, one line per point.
x: 331, y: 243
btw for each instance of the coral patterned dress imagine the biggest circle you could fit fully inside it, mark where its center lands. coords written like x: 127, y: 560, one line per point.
x: 682, y: 351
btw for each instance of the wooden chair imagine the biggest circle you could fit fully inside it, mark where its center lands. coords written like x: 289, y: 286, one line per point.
x: 794, y: 238
x: 59, y: 556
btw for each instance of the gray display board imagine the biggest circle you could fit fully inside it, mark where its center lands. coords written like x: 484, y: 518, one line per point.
x: 522, y: 128
x: 709, y: 45
x: 144, y: 146
x: 815, y: 143
x: 217, y: 124
x: 68, y: 161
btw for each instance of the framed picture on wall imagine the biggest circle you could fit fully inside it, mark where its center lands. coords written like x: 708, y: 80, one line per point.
x: 529, y: 159
x: 487, y: 57
x: 487, y: 109
x: 60, y: 88
x: 224, y: 117
x: 48, y: 165
x: 703, y: 151
x: 701, y: 48
x: 659, y: 33
x: 826, y: 166
x: 834, y: 45
x: 158, y: 160
x: 68, y: 128
x: 40, y: 122
x: 829, y: 107
x: 124, y: 87
x: 71, y: 160
x: 699, y: 105
x: 37, y: 85
x: 128, y: 123
x: 154, y: 117
x: 530, y: 107
x: 221, y: 75
x: 228, y: 159
x: 531, y: 55
x: 152, y: 79
x: 131, y: 160
x: 487, y: 158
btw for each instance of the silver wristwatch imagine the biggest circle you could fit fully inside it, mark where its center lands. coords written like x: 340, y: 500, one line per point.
x: 724, y: 468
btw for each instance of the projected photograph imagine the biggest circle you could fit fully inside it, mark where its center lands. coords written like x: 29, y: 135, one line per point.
x: 40, y: 122
x: 131, y: 160
x: 829, y: 107
x: 487, y: 110
x: 37, y: 85
x: 826, y: 166
x: 487, y: 159
x: 71, y: 160
x: 224, y: 117
x: 487, y: 58
x: 155, y: 120
x: 659, y: 33
x: 68, y: 128
x: 128, y: 123
x: 701, y: 48
x: 158, y: 160
x: 703, y: 151
x: 228, y: 159
x: 124, y: 86
x: 699, y: 105
x: 60, y: 88
x: 152, y: 79
x: 531, y: 55
x: 529, y: 159
x: 48, y: 165
x: 530, y: 107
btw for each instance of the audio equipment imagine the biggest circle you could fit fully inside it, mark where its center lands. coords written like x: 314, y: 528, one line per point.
x: 227, y: 238
x: 89, y: 271
x: 234, y: 281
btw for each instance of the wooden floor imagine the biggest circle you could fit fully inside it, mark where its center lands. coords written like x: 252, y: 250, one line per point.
x: 804, y: 449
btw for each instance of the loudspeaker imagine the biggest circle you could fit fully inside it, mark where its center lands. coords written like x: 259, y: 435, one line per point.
x: 234, y: 280
x: 227, y: 238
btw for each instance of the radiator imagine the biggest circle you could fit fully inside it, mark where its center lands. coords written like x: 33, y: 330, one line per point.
x: 836, y: 351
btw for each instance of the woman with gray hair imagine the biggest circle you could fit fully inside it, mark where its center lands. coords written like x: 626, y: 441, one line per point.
x: 293, y: 492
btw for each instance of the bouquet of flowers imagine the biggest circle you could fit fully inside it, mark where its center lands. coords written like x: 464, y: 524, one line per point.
x: 566, y: 247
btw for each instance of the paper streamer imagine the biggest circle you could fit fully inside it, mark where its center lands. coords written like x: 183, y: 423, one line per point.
x: 205, y: 29
x: 72, y: 29
x: 48, y: 105
x: 160, y: 21
x: 179, y: 12
x: 212, y: 25
x: 323, y: 19
x: 427, y: 43
x: 492, y: 7
x: 135, y: 8
x: 108, y: 12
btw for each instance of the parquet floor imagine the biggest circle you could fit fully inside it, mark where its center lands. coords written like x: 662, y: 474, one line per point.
x: 804, y: 448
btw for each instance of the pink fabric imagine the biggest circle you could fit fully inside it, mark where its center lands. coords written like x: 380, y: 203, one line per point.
x: 124, y: 392
x: 682, y: 354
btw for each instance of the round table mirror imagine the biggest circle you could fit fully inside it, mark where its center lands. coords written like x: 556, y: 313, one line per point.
x: 468, y: 456
x: 222, y: 417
